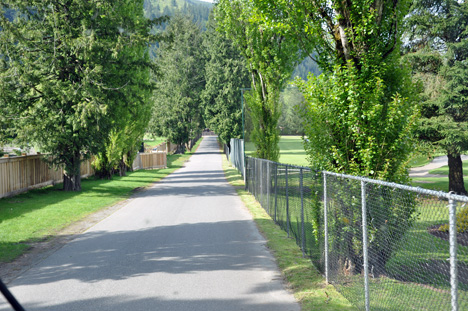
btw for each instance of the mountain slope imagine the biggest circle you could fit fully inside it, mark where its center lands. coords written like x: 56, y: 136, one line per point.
x: 198, y: 9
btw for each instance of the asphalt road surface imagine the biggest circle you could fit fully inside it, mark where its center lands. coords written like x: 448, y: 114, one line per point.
x: 187, y: 243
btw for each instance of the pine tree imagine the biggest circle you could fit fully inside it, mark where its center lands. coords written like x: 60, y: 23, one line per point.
x: 438, y: 49
x: 225, y: 75
x: 177, y: 111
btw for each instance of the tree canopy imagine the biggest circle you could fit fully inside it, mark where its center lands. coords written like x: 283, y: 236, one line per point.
x: 177, y: 110
x: 437, y: 48
x: 225, y: 75
x: 65, y: 76
x: 271, y: 57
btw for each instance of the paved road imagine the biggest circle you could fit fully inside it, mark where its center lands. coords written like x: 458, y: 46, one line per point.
x: 187, y: 243
x: 423, y: 171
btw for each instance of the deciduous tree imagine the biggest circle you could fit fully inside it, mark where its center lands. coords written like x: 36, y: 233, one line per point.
x: 361, y: 112
x: 270, y: 58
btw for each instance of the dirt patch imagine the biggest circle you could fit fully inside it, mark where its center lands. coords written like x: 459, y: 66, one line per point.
x: 39, y: 250
x: 462, y: 238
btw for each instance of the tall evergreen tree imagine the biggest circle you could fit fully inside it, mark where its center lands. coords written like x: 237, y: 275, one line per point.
x: 438, y: 49
x: 225, y: 75
x: 178, y: 111
x: 63, y: 65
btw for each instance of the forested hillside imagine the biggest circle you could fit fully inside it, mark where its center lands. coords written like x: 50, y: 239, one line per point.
x: 197, y: 9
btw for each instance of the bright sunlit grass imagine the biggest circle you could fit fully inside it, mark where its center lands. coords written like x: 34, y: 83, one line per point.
x: 292, y: 151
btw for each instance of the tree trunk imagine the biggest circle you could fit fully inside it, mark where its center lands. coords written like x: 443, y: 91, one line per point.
x: 456, y: 183
x: 122, y: 168
x: 132, y: 158
x: 180, y: 149
x: 72, y: 175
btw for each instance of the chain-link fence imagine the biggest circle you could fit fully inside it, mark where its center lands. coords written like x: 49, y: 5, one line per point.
x: 235, y: 154
x: 404, y: 254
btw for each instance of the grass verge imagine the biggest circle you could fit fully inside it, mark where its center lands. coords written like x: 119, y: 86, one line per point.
x: 40, y: 214
x: 307, y: 284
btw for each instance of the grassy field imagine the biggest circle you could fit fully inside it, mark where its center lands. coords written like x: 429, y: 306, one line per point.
x: 40, y: 214
x: 292, y: 151
x: 152, y: 141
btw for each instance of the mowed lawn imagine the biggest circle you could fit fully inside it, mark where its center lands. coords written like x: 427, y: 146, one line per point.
x: 438, y: 183
x: 292, y: 151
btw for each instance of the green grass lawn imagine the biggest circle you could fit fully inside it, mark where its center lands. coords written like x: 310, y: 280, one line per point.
x: 40, y: 214
x: 432, y: 183
x: 437, y: 183
x: 444, y: 170
x: 292, y: 151
x: 152, y: 141
x: 420, y: 160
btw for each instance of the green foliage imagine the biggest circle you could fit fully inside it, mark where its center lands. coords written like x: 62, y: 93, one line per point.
x: 177, y: 110
x: 225, y: 75
x: 271, y: 55
x: 437, y: 49
x: 360, y: 114
x: 290, y: 122
x: 462, y: 222
x: 352, y: 129
x: 68, y: 74
x: 198, y: 10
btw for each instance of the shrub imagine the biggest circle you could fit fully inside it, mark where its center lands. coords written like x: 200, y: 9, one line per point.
x: 462, y: 222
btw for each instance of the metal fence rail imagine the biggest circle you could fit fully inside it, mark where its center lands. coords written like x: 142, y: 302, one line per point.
x: 384, y: 246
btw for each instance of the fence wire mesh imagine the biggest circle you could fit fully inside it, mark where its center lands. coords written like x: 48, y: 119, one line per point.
x: 397, y: 257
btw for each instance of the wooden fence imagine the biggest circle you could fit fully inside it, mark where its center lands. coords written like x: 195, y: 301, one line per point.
x: 169, y: 148
x: 145, y: 161
x: 23, y: 173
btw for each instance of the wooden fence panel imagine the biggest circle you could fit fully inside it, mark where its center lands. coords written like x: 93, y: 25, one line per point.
x: 151, y: 160
x: 23, y: 173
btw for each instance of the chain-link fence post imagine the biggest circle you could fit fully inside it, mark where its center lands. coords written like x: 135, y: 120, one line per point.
x: 325, y: 224
x: 246, y: 172
x: 268, y: 188
x: 276, y: 189
x: 453, y: 253
x: 287, y: 199
x: 301, y: 182
x: 261, y: 183
x: 364, y: 245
